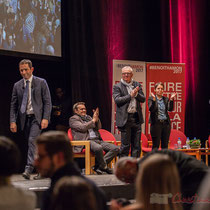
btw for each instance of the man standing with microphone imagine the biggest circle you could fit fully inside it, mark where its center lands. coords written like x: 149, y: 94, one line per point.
x: 128, y: 95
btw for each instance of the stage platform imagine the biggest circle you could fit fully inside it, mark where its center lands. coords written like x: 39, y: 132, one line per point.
x: 112, y: 187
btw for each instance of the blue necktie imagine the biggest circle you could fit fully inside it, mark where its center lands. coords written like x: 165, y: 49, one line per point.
x: 25, y: 98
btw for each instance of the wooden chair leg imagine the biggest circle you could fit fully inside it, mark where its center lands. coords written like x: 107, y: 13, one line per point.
x: 87, y: 160
x: 92, y: 163
x: 207, y: 159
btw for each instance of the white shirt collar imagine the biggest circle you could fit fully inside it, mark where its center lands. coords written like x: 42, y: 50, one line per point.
x: 30, y: 79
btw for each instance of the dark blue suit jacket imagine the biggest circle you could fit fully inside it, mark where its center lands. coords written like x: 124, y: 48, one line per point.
x: 40, y: 99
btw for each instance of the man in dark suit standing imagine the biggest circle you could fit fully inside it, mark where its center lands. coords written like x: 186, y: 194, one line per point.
x: 128, y: 95
x: 31, y: 104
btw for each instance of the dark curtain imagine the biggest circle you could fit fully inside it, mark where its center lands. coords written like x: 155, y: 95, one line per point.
x: 189, y: 36
x: 97, y: 31
x: 100, y: 31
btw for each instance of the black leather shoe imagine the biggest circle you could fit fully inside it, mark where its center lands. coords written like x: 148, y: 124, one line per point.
x: 37, y: 177
x: 26, y: 175
x: 107, y: 170
x: 98, y: 171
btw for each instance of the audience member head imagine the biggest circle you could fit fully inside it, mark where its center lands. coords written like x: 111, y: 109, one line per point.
x: 157, y: 178
x: 59, y: 92
x: 126, y: 169
x: 50, y: 50
x: 9, y: 157
x: 79, y: 108
x: 73, y: 193
x: 54, y: 150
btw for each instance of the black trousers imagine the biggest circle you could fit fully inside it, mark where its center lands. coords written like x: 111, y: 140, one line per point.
x: 32, y: 130
x: 130, y: 136
x: 160, y: 131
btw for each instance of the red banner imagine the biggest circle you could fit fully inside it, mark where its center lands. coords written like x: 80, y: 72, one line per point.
x: 173, y: 77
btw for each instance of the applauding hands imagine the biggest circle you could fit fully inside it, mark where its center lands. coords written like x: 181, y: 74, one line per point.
x: 172, y: 96
x: 95, y: 115
x: 134, y: 92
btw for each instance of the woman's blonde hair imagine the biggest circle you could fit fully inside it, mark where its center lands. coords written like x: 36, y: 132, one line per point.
x: 157, y: 182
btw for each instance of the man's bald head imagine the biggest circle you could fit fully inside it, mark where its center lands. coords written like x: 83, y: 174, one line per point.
x: 126, y: 169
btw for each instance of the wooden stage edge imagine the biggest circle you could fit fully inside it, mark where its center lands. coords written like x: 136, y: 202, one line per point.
x: 112, y: 187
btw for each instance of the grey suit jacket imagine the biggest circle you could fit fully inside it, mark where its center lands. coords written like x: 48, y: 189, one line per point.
x: 122, y: 100
x: 40, y: 99
x: 79, y: 129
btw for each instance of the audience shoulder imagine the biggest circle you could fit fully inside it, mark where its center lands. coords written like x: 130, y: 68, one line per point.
x: 17, y: 198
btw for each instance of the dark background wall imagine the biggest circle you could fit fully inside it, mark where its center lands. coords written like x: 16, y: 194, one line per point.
x: 88, y: 38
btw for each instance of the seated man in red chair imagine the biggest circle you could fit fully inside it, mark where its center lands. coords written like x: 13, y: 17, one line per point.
x: 85, y: 127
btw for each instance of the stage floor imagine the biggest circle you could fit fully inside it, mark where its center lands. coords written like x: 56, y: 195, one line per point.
x: 100, y: 180
x: 112, y: 187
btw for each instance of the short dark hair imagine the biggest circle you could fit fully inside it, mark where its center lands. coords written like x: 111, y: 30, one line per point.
x: 159, y: 83
x: 76, y: 105
x: 9, y: 157
x: 54, y: 142
x: 26, y: 61
x: 73, y: 191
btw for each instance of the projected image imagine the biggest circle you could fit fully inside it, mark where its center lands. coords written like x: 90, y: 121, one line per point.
x: 31, y: 26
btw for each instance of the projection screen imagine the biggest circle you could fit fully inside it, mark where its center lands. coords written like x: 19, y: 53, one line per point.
x: 31, y: 26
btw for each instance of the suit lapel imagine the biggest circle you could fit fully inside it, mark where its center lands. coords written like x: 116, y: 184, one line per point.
x: 21, y: 87
x: 124, y: 89
x: 33, y: 86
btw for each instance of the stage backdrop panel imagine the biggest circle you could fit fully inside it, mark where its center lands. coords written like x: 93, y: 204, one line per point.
x: 173, y: 77
x: 139, y: 75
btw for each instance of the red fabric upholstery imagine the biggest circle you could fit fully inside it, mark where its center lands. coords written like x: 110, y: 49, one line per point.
x: 70, y: 134
x: 144, y: 140
x: 149, y: 137
x: 175, y: 134
x: 107, y: 136
x: 145, y: 147
x: 71, y: 139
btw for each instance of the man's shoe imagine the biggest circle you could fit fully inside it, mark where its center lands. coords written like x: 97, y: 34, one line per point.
x: 98, y: 171
x: 107, y: 170
x: 37, y: 177
x: 26, y: 175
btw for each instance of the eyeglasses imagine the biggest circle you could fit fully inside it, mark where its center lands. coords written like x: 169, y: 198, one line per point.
x: 126, y: 73
x: 82, y: 109
x: 40, y: 157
